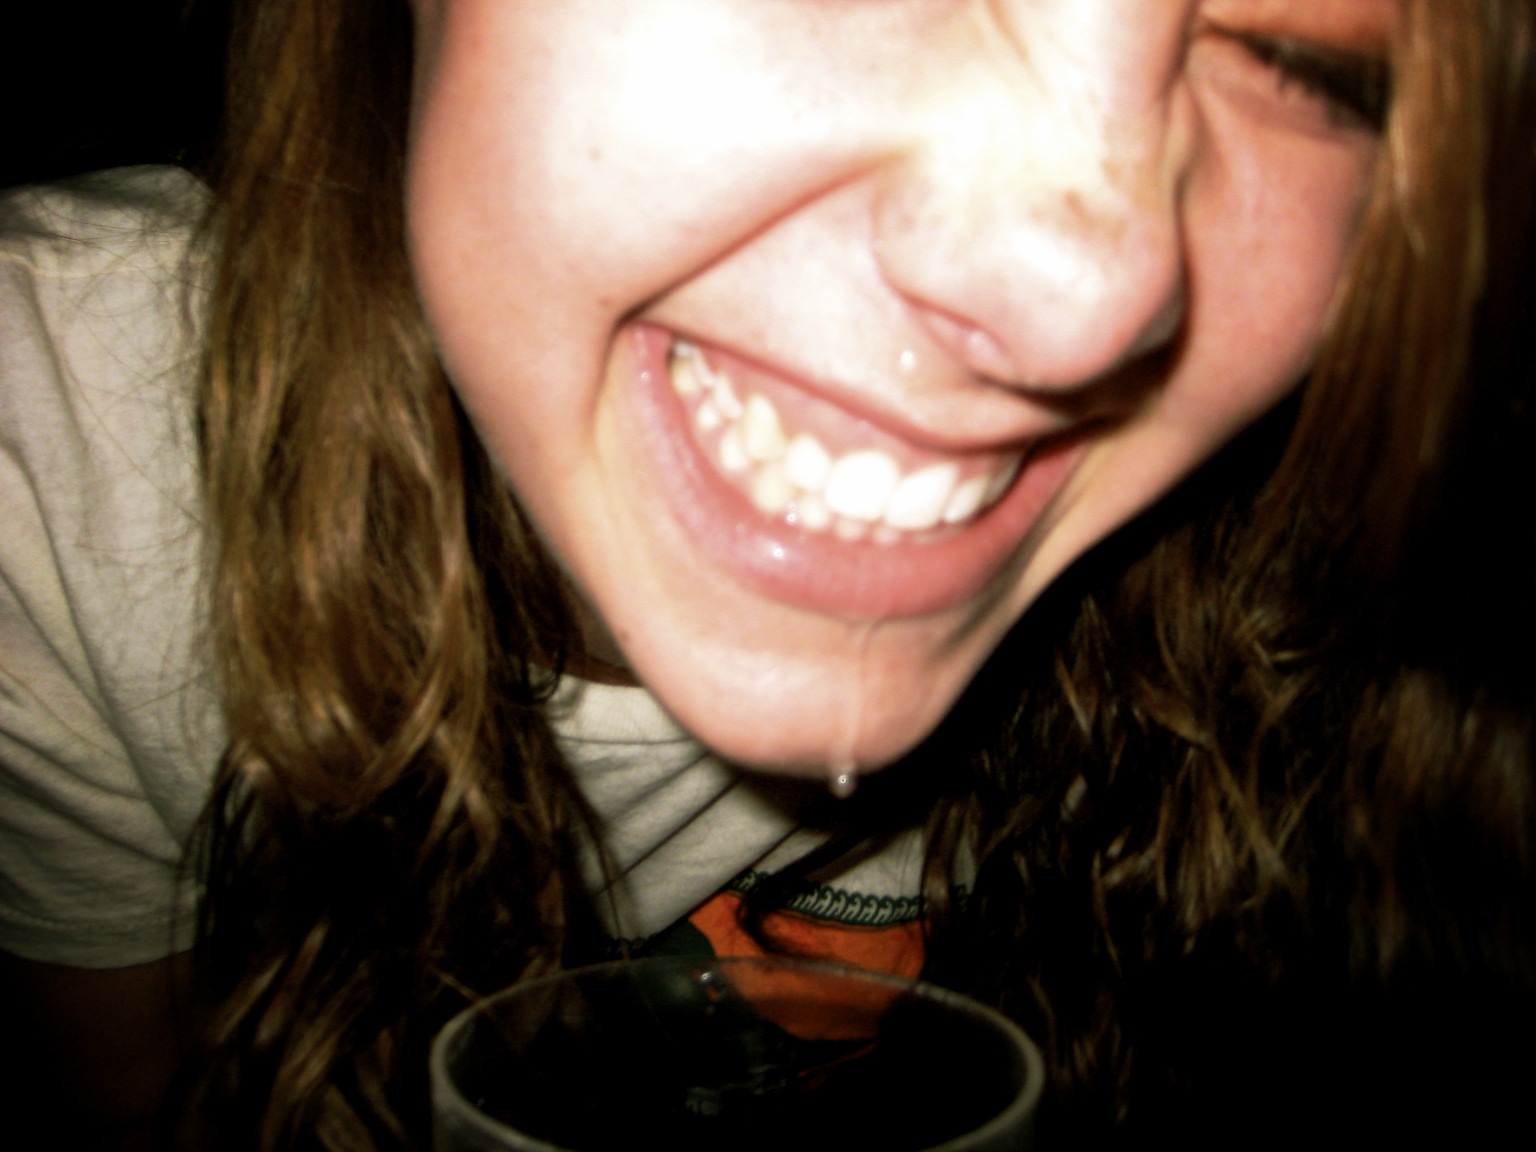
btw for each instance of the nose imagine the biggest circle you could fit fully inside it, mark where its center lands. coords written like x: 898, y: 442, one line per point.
x: 1032, y: 221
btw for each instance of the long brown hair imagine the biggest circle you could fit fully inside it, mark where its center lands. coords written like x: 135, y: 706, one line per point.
x: 386, y: 624
x: 1220, y: 743
x: 1256, y: 839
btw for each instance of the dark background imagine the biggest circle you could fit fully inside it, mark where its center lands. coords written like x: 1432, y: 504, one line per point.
x: 90, y: 84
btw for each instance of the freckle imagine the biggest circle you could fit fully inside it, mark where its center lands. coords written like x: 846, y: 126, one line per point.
x: 595, y: 153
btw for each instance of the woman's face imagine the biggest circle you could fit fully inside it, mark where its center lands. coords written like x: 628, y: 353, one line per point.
x: 818, y: 336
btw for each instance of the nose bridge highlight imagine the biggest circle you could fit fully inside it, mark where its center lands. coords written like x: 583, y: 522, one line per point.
x: 1032, y: 223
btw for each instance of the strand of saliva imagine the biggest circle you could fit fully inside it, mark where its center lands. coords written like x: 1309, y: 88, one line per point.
x: 843, y: 767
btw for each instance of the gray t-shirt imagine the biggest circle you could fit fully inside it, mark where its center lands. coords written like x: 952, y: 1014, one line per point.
x: 109, y: 729
x: 110, y: 725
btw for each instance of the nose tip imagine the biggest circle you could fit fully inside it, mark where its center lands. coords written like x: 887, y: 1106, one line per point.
x: 1047, y: 290
x: 1047, y: 305
x: 1038, y: 237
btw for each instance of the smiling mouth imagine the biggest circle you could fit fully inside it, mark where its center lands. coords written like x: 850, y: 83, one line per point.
x: 884, y: 494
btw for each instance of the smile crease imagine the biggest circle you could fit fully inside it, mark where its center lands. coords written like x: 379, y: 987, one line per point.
x: 857, y: 495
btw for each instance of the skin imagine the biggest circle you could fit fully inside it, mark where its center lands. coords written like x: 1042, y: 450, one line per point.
x: 974, y: 226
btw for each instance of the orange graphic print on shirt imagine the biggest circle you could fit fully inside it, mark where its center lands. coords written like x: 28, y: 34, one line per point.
x: 885, y: 934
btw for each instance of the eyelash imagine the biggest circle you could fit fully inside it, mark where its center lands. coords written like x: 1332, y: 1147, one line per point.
x: 1354, y: 90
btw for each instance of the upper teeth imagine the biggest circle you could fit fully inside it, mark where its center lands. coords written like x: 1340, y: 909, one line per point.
x: 863, y: 493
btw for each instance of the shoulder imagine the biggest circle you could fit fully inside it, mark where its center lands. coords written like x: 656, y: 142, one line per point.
x: 99, y: 338
x: 102, y: 213
x: 108, y: 726
x: 98, y: 298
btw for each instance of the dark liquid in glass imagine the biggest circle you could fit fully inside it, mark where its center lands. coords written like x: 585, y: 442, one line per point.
x: 694, y: 1066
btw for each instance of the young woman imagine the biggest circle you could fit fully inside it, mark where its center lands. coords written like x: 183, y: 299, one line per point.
x: 777, y: 355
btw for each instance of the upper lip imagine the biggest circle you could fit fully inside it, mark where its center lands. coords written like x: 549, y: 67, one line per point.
x: 819, y: 572
x: 960, y: 414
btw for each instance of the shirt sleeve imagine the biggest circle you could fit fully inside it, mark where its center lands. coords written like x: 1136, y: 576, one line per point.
x: 109, y: 726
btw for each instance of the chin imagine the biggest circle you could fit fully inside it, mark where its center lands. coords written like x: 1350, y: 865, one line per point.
x: 808, y: 716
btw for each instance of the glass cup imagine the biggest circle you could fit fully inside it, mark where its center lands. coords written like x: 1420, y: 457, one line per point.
x: 687, y: 1053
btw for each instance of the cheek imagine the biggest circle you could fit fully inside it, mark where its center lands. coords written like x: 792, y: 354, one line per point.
x: 1266, y: 239
x: 495, y: 215
x: 510, y: 310
x: 534, y: 215
x: 1270, y: 224
x: 585, y: 161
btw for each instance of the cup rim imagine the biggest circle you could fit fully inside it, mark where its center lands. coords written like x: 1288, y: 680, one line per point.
x: 444, y: 1089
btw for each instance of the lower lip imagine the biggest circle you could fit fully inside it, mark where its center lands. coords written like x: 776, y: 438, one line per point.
x: 818, y: 571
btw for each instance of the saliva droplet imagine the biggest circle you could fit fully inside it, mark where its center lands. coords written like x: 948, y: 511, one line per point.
x: 843, y: 778
x: 843, y: 769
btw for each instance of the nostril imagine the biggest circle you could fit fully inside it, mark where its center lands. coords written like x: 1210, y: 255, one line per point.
x: 1053, y: 334
x: 972, y: 345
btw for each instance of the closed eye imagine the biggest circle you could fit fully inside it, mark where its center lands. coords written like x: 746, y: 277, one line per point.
x: 1352, y: 89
